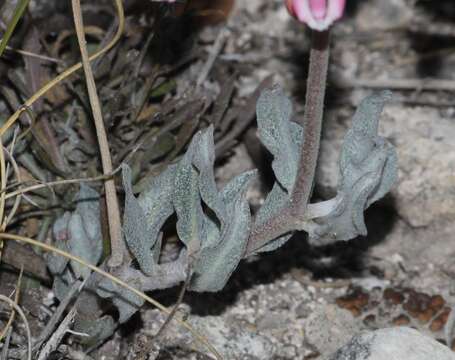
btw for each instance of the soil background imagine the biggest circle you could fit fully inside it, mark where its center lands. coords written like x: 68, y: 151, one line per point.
x: 304, y: 302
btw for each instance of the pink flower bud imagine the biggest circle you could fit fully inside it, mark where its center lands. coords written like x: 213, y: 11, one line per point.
x: 317, y: 14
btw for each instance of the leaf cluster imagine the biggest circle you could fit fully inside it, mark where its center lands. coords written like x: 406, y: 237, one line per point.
x: 214, y: 225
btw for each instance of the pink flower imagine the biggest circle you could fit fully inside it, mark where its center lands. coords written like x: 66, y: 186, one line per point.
x: 317, y: 14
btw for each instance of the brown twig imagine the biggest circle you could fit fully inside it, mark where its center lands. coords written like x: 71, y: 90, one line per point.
x: 113, y: 209
x: 51, y: 184
x: 21, y: 313
x: 58, y: 334
x: 56, y: 316
x: 49, y: 248
x: 13, y: 313
x: 215, y: 50
x: 169, y: 318
x: 36, y: 96
x: 285, y: 221
x: 19, y: 256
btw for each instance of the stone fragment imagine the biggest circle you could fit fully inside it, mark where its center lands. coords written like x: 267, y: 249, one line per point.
x: 393, y: 344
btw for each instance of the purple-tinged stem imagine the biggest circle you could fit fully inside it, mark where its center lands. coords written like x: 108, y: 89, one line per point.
x: 312, y: 121
x: 286, y: 220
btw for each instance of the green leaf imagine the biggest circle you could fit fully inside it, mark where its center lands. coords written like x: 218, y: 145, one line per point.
x: 163, y: 88
x: 283, y: 138
x: 144, y: 217
x: 187, y: 203
x: 62, y: 283
x: 97, y: 329
x: 79, y: 233
x: 279, y: 135
x: 124, y: 300
x: 57, y: 263
x: 204, y: 160
x: 273, y: 203
x: 368, y: 170
x: 85, y: 231
x: 18, y: 12
x: 216, y: 263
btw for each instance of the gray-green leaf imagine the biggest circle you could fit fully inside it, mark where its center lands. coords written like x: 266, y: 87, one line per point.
x: 204, y: 160
x: 279, y: 135
x: 187, y: 204
x: 79, y: 233
x: 368, y: 169
x: 126, y: 301
x: 144, y: 217
x: 274, y: 202
x: 216, y: 263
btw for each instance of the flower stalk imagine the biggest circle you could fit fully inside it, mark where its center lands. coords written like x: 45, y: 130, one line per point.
x: 290, y: 216
x: 318, y: 15
x: 312, y: 121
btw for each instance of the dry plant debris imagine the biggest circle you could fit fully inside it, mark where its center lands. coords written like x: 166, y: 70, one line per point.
x: 171, y: 84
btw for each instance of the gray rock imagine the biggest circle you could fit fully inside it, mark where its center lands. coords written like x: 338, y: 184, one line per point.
x: 329, y: 327
x: 232, y: 339
x: 426, y: 155
x: 399, y: 343
x: 381, y: 15
x: 272, y: 321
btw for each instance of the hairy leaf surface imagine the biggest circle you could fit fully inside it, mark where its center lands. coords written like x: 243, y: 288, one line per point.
x: 204, y: 161
x: 144, y: 217
x: 216, y: 263
x: 187, y: 203
x: 279, y: 135
x: 368, y: 169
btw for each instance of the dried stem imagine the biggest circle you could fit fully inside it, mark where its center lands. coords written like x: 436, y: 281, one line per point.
x: 3, y: 182
x: 21, y: 313
x: 13, y: 313
x: 49, y: 248
x: 56, y: 338
x: 36, y: 96
x: 51, y: 184
x: 288, y: 217
x: 113, y: 209
x: 169, y: 318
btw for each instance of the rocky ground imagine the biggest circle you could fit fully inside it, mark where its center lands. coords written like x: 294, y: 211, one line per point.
x: 302, y: 302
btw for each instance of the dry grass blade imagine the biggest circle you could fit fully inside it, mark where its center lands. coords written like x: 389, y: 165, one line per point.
x: 13, y: 118
x: 17, y: 201
x: 117, y: 281
x: 6, y: 343
x: 20, y: 8
x: 2, y: 188
x: 4, y: 222
x: 58, y: 313
x: 169, y: 318
x: 50, y: 184
x: 18, y: 309
x: 57, y: 336
x: 31, y: 54
x: 2, y: 182
x: 13, y: 313
x: 113, y: 209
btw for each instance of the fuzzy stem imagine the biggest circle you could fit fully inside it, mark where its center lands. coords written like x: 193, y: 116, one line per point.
x: 312, y: 121
x: 288, y: 218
